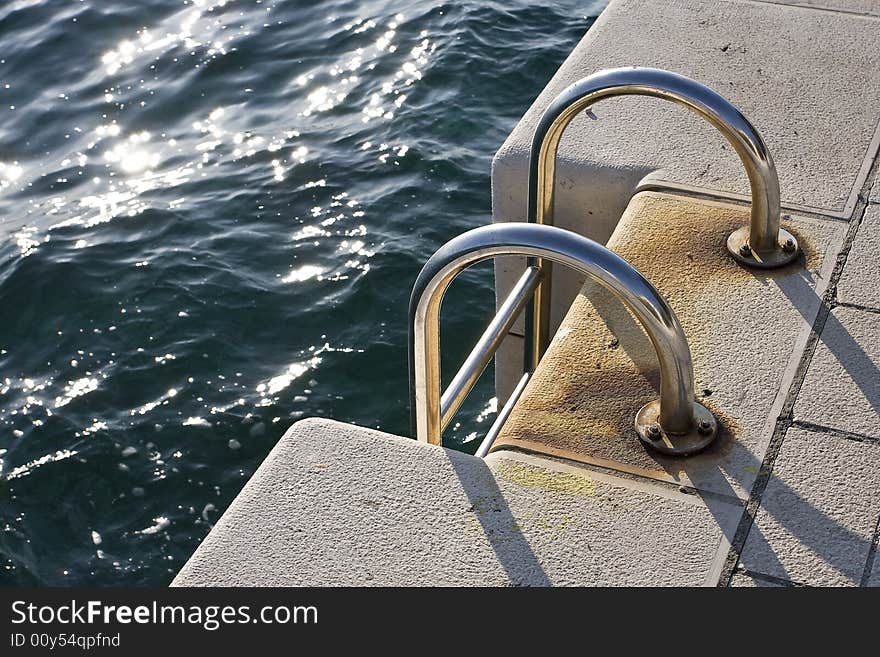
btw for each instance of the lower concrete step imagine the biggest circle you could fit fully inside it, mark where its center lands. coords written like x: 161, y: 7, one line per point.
x: 336, y: 504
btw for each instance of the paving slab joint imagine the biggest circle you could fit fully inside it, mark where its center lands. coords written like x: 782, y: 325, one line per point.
x: 872, y: 555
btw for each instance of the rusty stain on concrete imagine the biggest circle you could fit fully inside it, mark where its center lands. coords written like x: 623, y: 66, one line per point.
x: 601, y: 368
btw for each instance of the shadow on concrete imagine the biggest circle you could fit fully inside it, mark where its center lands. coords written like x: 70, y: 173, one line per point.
x: 852, y: 357
x: 501, y: 528
x: 830, y: 541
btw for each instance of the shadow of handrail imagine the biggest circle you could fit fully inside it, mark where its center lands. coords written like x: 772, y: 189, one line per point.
x: 490, y: 508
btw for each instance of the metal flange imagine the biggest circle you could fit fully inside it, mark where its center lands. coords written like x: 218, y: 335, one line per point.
x: 703, y: 431
x: 785, y: 252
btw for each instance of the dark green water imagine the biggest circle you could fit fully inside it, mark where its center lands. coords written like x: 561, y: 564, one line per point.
x: 211, y: 216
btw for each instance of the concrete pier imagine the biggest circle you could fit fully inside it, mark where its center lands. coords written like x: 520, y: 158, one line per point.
x: 789, y: 361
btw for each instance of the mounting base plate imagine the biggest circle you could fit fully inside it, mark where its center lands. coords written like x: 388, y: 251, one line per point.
x: 703, y: 432
x: 786, y: 250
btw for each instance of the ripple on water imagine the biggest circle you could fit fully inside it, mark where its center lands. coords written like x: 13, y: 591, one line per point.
x: 213, y: 212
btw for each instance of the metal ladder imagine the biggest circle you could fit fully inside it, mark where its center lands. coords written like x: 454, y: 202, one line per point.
x: 674, y: 424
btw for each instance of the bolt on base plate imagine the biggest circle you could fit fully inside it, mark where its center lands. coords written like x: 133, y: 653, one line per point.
x: 701, y: 435
x: 786, y: 251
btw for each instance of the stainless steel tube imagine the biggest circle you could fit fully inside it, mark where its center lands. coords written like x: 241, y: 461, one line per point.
x: 503, y: 414
x: 759, y: 246
x: 564, y: 247
x: 713, y: 107
x: 485, y: 348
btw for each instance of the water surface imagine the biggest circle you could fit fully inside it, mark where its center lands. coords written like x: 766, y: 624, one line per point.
x: 211, y: 214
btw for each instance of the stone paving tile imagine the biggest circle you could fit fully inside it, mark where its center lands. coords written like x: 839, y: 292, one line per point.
x: 817, y: 517
x: 858, y: 284
x: 842, y: 386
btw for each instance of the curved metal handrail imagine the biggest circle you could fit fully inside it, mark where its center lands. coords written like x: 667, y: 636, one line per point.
x: 675, y: 413
x: 761, y: 244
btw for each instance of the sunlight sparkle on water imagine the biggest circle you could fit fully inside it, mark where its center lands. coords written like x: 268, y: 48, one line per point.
x: 278, y: 383
x: 202, y: 164
x: 303, y: 273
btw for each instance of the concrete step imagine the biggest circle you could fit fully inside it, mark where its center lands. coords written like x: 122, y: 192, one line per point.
x: 339, y: 505
x: 746, y: 329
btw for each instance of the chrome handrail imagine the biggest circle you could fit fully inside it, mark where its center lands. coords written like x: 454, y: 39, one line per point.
x: 761, y: 244
x: 676, y: 424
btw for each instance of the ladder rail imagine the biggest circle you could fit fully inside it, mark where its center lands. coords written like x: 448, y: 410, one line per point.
x: 760, y: 244
x: 676, y: 409
x: 503, y: 414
